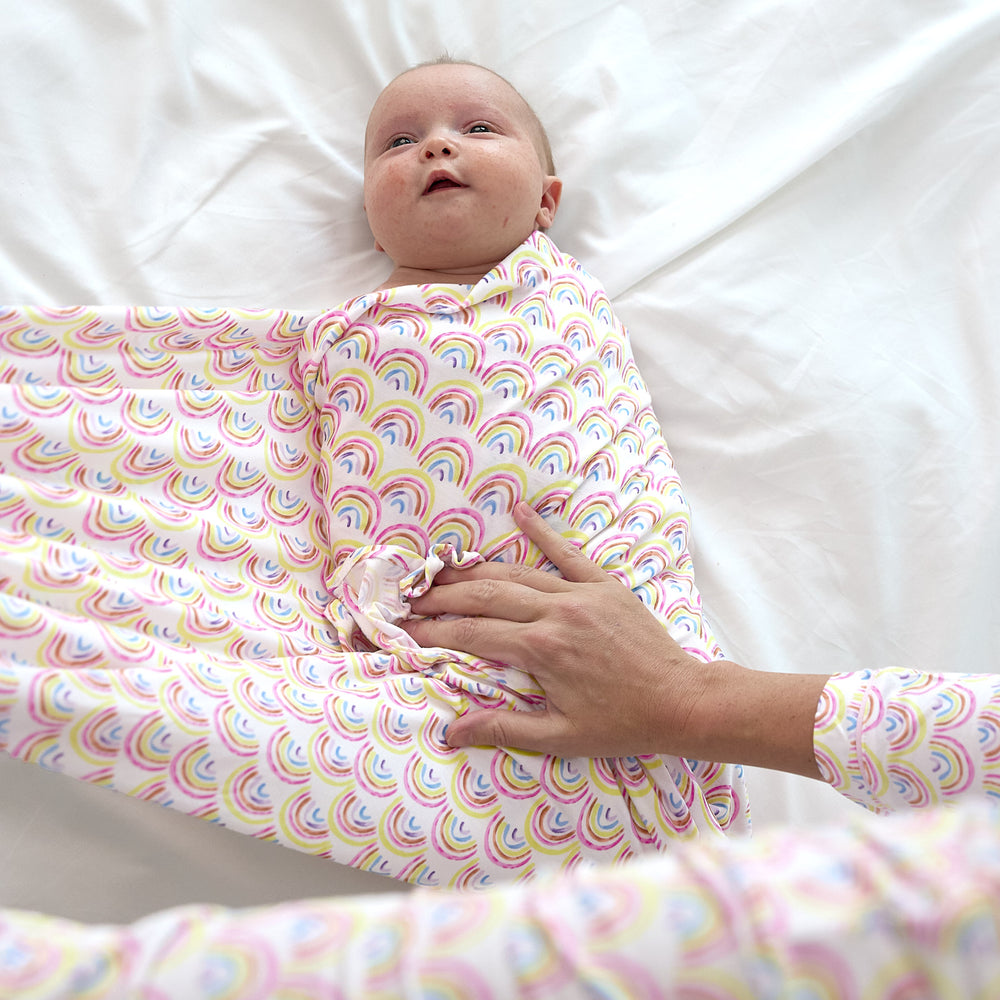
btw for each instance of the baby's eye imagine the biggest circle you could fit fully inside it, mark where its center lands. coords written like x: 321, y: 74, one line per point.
x: 481, y: 127
x: 400, y: 140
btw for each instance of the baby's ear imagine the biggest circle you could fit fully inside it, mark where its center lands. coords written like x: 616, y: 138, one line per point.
x: 551, y: 193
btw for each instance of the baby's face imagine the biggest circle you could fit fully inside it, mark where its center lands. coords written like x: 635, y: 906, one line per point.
x: 453, y: 175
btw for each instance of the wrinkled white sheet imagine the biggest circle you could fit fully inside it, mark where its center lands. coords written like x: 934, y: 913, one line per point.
x: 793, y: 204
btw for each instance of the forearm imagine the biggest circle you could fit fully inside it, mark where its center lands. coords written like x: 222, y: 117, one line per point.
x: 752, y: 717
x: 888, y: 739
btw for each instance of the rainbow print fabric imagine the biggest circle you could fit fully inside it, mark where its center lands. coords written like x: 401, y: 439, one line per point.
x: 210, y: 521
x: 883, y: 907
x: 898, y: 738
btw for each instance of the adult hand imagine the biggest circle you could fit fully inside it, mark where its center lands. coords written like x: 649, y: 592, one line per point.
x: 615, y: 682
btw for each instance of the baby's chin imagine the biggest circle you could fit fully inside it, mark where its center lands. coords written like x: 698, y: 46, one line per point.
x: 456, y: 249
x: 475, y: 260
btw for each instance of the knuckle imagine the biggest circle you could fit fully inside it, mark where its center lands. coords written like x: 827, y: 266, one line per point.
x: 519, y: 573
x: 547, y: 646
x: 487, y: 590
x: 466, y: 631
x: 416, y: 629
x: 577, y: 612
x: 496, y: 732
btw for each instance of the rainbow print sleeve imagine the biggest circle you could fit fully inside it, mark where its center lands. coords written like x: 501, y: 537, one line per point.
x: 902, y: 906
x: 895, y: 738
x: 211, y: 521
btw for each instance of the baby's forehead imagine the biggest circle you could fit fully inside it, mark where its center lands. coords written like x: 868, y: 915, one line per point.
x: 447, y: 86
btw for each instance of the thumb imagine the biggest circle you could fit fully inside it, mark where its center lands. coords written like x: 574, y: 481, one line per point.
x: 504, y: 728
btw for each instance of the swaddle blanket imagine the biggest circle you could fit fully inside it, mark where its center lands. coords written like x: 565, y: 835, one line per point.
x: 211, y: 523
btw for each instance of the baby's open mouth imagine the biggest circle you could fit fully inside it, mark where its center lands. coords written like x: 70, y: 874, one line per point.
x: 442, y: 184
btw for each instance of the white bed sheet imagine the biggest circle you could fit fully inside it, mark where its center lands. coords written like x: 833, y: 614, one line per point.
x: 794, y: 205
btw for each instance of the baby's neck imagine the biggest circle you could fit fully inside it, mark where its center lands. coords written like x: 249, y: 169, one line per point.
x: 419, y: 276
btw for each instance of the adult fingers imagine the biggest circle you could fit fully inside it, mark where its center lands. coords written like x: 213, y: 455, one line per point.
x: 561, y: 552
x: 488, y: 638
x: 482, y: 597
x: 500, y: 728
x: 526, y: 576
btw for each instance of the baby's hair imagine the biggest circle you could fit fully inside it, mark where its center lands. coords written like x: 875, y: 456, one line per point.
x: 541, y: 136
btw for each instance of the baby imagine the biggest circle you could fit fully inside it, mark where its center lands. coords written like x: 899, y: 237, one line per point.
x: 489, y: 368
x: 214, y: 522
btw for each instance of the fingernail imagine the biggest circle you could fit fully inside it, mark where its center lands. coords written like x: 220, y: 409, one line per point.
x: 525, y: 509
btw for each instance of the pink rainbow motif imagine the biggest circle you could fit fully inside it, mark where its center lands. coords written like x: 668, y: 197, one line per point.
x: 456, y: 404
x: 498, y: 493
x: 397, y: 425
x: 554, y: 404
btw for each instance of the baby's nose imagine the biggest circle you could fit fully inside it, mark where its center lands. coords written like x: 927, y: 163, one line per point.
x: 436, y: 148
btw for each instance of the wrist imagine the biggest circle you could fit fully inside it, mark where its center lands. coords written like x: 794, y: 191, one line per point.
x: 753, y: 717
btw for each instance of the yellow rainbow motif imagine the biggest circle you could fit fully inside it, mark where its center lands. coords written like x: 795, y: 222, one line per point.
x: 567, y: 291
x: 463, y: 529
x: 554, y: 362
x: 239, y: 426
x: 42, y: 400
x: 281, y: 506
x: 402, y: 370
x: 142, y: 462
x: 288, y: 412
x: 495, y: 493
x: 83, y: 368
x: 406, y: 536
x: 506, y: 435
x: 194, y: 447
x: 193, y: 770
x: 401, y: 830
x: 145, y: 319
x: 555, y: 454
x: 144, y: 415
x: 287, y: 461
x: 356, y: 508
x: 505, y: 844
x: 447, y: 460
x: 304, y: 825
x: 464, y: 352
x: 39, y: 454
x: 199, y: 403
x: 511, y: 380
